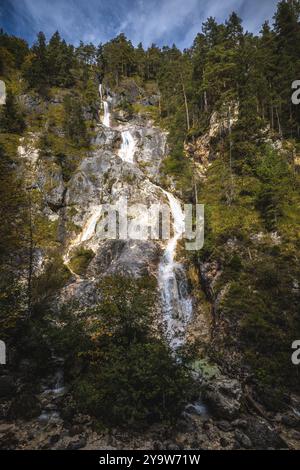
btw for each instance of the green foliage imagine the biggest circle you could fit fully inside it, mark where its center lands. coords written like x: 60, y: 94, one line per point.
x: 262, y: 306
x: 11, y: 117
x: 54, y: 277
x: 49, y: 64
x: 13, y: 51
x: 275, y: 177
x: 117, y: 59
x: 35, y: 67
x: 126, y: 107
x: 13, y: 229
x: 80, y: 260
x: 134, y: 386
x: 130, y: 378
x: 74, y: 124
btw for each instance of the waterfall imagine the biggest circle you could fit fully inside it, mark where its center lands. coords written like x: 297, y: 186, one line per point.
x: 104, y: 103
x: 87, y: 233
x: 127, y: 149
x: 90, y: 226
x: 106, y: 117
x: 176, y: 303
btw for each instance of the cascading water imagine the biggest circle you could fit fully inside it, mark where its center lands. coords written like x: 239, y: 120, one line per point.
x: 176, y: 303
x: 90, y: 226
x: 106, y: 115
x: 100, y: 93
x: 87, y: 233
x: 127, y: 149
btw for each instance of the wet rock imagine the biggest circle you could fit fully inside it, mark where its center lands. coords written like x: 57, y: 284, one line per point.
x: 224, y: 442
x: 296, y: 435
x: 243, y: 439
x: 224, y: 397
x: 224, y: 426
x: 206, y: 425
x: 8, y: 437
x: 108, y: 138
x: 291, y: 421
x: 6, y: 427
x: 128, y: 258
x: 240, y: 423
x: 54, y: 439
x: 262, y: 435
x: 76, y: 444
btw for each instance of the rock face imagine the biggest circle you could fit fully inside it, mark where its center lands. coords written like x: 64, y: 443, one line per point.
x: 224, y: 395
x: 104, y: 178
x: 123, y: 165
x: 201, y: 150
x: 262, y: 435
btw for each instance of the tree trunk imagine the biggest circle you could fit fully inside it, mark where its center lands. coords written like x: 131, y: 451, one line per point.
x: 279, y: 125
x: 205, y: 102
x: 30, y: 259
x: 230, y: 154
x: 186, y: 105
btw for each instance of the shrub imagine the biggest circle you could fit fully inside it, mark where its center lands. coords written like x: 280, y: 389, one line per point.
x: 80, y: 260
x: 54, y: 277
x: 129, y: 377
x: 133, y: 386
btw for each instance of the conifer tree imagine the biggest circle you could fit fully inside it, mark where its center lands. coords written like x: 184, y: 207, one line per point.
x: 11, y: 117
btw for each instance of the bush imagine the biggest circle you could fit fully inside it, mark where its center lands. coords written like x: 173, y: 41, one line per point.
x: 134, y: 386
x: 130, y: 376
x: 53, y: 278
x: 80, y: 260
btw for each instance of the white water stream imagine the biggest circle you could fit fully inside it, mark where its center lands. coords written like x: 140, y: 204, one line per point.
x: 177, y: 307
x: 104, y: 103
x: 176, y: 303
x: 128, y: 146
x: 90, y: 227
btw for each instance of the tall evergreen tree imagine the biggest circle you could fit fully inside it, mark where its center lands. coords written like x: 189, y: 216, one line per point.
x: 11, y: 117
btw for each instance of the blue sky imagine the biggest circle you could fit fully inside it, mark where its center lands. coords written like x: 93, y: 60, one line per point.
x: 158, y: 21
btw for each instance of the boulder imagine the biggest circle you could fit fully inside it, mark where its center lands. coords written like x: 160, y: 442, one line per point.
x: 262, y: 435
x: 77, y: 443
x: 291, y: 421
x: 223, y: 396
x: 243, y: 439
x: 8, y: 437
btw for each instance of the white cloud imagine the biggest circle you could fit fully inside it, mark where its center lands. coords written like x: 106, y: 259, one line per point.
x: 160, y: 21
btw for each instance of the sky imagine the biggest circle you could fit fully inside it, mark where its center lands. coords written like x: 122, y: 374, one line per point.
x: 162, y: 22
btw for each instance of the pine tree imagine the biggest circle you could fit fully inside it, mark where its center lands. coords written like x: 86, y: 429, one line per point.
x: 74, y: 123
x: 287, y: 30
x: 36, y: 67
x: 11, y: 117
